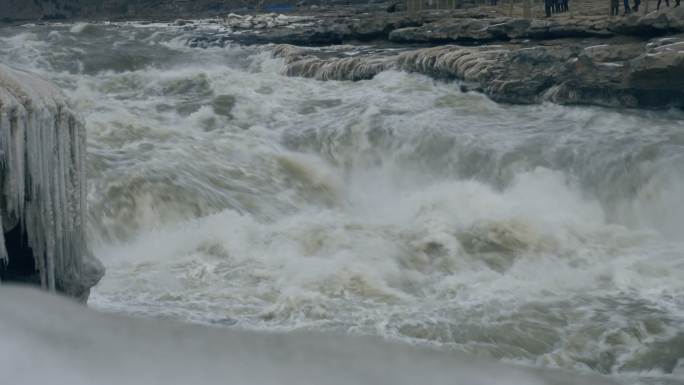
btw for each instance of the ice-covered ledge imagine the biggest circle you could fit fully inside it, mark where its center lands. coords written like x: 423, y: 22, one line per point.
x: 42, y: 188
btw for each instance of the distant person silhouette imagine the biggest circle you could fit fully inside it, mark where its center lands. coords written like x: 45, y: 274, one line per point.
x: 667, y: 2
x: 548, y: 7
x: 614, y: 7
x: 637, y: 3
x: 628, y: 9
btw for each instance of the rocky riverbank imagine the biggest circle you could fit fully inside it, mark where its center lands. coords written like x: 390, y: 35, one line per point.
x: 635, y: 61
x: 574, y: 58
x: 472, y: 26
x: 630, y: 74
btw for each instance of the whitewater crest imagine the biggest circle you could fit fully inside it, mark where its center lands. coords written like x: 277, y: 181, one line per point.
x: 43, y: 187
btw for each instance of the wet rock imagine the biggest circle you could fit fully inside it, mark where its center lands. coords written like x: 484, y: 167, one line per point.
x: 223, y: 105
x: 657, y: 77
x: 187, y: 108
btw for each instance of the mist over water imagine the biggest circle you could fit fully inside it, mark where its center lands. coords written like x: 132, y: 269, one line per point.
x: 222, y: 192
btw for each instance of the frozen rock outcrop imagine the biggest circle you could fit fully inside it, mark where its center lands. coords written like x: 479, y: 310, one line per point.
x: 263, y: 21
x: 299, y: 62
x: 642, y: 74
x: 42, y: 188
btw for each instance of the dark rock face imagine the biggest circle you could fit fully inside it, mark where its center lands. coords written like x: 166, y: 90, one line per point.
x: 652, y: 78
x: 21, y: 268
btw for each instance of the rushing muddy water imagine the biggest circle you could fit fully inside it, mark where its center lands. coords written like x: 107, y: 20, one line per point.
x: 222, y: 192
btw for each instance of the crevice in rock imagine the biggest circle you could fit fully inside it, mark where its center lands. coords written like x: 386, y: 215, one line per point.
x: 21, y: 266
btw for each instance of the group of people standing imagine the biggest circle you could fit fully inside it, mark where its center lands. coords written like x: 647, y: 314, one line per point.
x: 556, y: 6
x: 560, y: 6
x: 615, y: 6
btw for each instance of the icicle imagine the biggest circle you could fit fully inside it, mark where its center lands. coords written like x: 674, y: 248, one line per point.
x: 42, y: 174
x: 299, y: 63
x: 3, y: 250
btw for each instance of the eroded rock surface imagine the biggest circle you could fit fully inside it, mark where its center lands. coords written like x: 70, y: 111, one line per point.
x: 632, y: 74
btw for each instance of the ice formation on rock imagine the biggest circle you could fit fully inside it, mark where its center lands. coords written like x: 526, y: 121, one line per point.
x: 43, y: 182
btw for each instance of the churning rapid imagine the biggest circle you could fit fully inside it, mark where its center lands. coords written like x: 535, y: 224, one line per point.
x: 223, y: 192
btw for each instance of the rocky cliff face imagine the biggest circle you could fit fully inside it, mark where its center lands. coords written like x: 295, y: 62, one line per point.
x: 42, y: 188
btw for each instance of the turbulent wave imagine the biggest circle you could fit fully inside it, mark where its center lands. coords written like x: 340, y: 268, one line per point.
x: 223, y: 192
